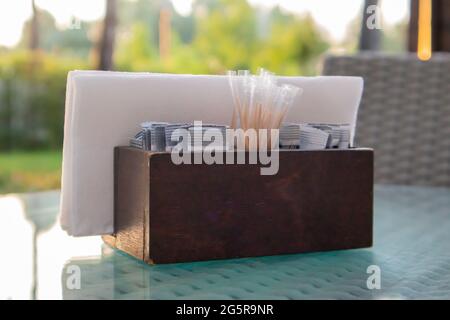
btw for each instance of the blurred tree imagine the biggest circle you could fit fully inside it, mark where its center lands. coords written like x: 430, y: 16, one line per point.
x: 106, y: 45
x: 136, y: 51
x: 72, y: 41
x: 394, y: 37
x: 350, y: 42
x: 226, y: 34
x: 292, y: 46
x: 165, y: 32
x: 147, y: 12
x: 184, y: 27
x: 34, y: 28
x: 142, y: 12
x: 69, y: 42
x: 42, y: 34
x: 32, y: 103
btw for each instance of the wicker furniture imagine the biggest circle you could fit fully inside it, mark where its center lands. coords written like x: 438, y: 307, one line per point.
x: 404, y: 114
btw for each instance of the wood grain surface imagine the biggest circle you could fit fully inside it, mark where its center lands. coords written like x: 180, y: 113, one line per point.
x: 165, y: 213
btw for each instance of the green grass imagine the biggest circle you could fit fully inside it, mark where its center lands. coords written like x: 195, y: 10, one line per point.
x: 29, y: 171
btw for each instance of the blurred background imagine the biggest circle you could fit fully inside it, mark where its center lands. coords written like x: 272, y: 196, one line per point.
x: 41, y: 40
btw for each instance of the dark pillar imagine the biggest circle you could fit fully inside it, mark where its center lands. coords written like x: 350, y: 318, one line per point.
x: 106, y: 49
x: 369, y: 38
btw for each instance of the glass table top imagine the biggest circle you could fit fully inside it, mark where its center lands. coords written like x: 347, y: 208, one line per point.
x: 411, y: 249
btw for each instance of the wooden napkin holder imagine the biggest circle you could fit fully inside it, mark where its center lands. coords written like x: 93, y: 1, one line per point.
x: 165, y: 213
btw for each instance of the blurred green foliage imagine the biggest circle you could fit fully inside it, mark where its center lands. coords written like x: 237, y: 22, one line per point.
x: 219, y: 35
x: 24, y: 171
x: 226, y: 34
x: 32, y: 90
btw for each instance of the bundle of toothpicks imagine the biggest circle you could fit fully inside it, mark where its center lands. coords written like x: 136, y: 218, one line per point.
x: 259, y: 102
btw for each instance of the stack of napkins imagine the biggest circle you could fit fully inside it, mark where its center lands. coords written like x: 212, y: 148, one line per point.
x: 103, y: 110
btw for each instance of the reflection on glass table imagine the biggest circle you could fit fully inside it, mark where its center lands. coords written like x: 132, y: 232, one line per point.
x: 411, y: 247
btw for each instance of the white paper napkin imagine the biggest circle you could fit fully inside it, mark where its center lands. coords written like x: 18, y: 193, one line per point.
x: 104, y: 109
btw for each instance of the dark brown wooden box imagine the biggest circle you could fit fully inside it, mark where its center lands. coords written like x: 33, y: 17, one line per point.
x: 165, y: 213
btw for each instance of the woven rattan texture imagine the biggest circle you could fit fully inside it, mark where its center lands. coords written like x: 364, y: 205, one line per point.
x: 404, y: 114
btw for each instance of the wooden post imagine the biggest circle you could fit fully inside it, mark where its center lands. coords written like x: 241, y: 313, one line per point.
x: 106, y: 48
x: 164, y: 33
x: 441, y: 25
x: 413, y: 26
x: 34, y: 28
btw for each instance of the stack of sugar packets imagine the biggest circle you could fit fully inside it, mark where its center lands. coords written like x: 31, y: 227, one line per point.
x: 163, y: 136
x: 314, y: 136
